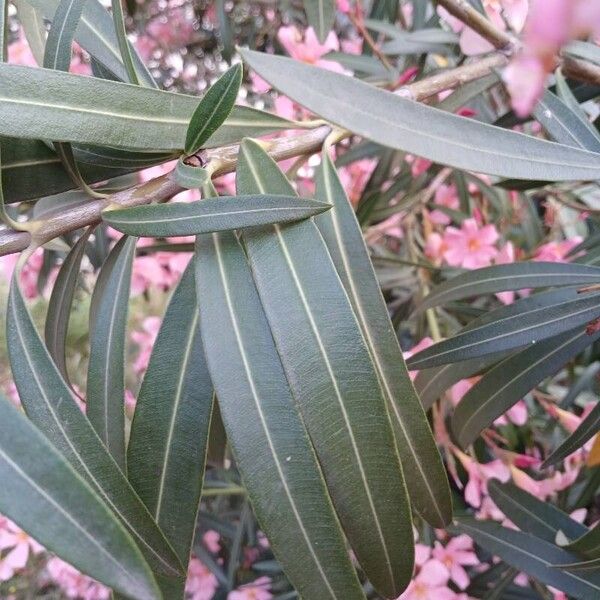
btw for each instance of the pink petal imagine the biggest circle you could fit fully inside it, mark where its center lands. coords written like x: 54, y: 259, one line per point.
x: 433, y: 573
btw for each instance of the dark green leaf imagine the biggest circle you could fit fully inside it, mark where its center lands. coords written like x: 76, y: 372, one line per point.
x: 320, y: 15
x: 168, y: 443
x: 213, y: 109
x: 106, y: 371
x: 125, y: 48
x: 63, y: 107
x: 215, y: 214
x: 530, y: 554
x: 333, y: 380
x: 49, y: 404
x: 46, y: 497
x: 429, y: 489
x: 509, y: 380
x: 400, y: 123
x: 531, y: 515
x: 61, y: 301
x: 588, y: 544
x: 528, y: 327
x: 514, y: 276
x: 267, y: 435
x: 60, y: 38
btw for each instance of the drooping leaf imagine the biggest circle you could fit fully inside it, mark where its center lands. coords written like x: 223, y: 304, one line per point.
x: 213, y: 109
x: 215, y: 214
x: 333, y: 380
x: 532, y: 555
x: 510, y: 379
x: 49, y: 404
x: 42, y: 104
x: 514, y: 276
x: 528, y: 327
x: 532, y: 515
x: 168, y: 442
x: 44, y: 495
x: 271, y: 446
x: 320, y: 15
x: 106, y: 370
x: 586, y: 430
x: 400, y: 123
x: 61, y: 301
x: 429, y: 491
x: 97, y: 35
x: 588, y: 544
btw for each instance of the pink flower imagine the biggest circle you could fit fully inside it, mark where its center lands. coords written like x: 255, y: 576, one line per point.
x: 525, y: 77
x: 145, y: 340
x: 73, y: 583
x: 445, y: 195
x: 257, y: 590
x: 201, y: 583
x: 479, y: 474
x: 470, y: 247
x: 212, y: 540
x: 457, y: 554
x: 506, y: 255
x: 308, y: 49
x: 424, y: 343
x: 355, y: 176
x: 430, y: 583
x: 516, y: 414
x: 556, y: 251
x: 19, y: 52
x: 19, y: 545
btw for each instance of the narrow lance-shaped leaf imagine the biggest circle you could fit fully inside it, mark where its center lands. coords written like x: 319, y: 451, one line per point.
x: 588, y: 544
x: 49, y: 404
x: 584, y: 432
x: 529, y: 327
x: 167, y: 446
x: 509, y: 380
x: 43, y: 104
x: 429, y: 490
x: 215, y: 214
x: 333, y: 380
x: 515, y: 276
x: 44, y: 495
x: 96, y: 34
x: 271, y: 446
x: 320, y: 15
x: 125, y: 48
x: 213, y: 109
x: 532, y: 515
x: 61, y: 301
x: 532, y: 555
x: 106, y: 372
x: 409, y: 126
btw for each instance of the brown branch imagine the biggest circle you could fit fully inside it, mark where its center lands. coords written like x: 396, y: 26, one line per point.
x: 160, y: 189
x: 452, y: 78
x: 463, y: 11
x: 581, y: 70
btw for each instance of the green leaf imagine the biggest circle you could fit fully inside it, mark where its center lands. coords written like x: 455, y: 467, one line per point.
x: 169, y: 433
x: 514, y: 276
x: 63, y: 107
x: 429, y: 490
x: 271, y: 446
x: 320, y: 15
x: 215, y: 214
x: 215, y: 106
x: 510, y: 379
x: 584, y: 432
x: 531, y: 515
x: 46, y: 497
x: 333, y: 381
x: 588, y: 544
x: 60, y: 38
x: 532, y: 555
x: 397, y: 122
x: 49, y: 404
x: 106, y: 371
x: 564, y: 124
x: 61, y: 302
x: 189, y: 176
x: 528, y: 327
x: 97, y: 35
x: 125, y: 47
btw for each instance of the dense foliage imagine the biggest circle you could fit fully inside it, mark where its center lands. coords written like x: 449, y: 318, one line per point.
x: 301, y: 299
